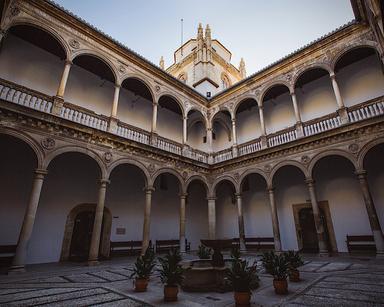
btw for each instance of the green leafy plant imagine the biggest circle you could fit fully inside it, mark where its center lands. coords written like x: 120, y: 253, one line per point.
x: 235, y: 253
x: 204, y: 252
x: 267, y: 261
x: 294, y: 259
x: 143, y: 267
x: 242, y: 276
x: 279, y: 267
x: 171, y: 272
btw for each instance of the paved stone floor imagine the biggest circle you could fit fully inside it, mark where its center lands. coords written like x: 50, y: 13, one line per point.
x: 334, y: 281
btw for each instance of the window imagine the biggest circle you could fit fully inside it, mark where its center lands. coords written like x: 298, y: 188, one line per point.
x: 225, y: 83
x: 183, y: 77
x: 208, y: 94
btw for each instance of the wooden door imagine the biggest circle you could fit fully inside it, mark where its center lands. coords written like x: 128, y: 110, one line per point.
x: 81, y: 236
x: 308, y: 231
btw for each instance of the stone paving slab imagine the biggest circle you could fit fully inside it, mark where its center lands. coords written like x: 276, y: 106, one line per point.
x: 350, y: 286
x: 85, y: 278
x: 335, y: 266
x: 365, y: 281
x: 309, y: 300
x: 109, y: 276
x: 32, y: 294
x: 312, y: 266
x: 89, y: 300
x: 55, y: 279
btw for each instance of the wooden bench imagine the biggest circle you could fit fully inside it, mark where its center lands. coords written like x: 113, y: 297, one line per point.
x: 6, y: 254
x: 167, y: 245
x: 363, y: 243
x: 260, y: 243
x: 125, y: 248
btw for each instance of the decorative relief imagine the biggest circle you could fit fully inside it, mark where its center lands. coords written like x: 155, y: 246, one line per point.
x: 305, y: 159
x: 108, y: 157
x: 157, y: 88
x: 185, y: 175
x: 354, y: 148
x: 14, y: 11
x: 151, y: 168
x: 236, y: 176
x: 267, y: 168
x: 74, y: 43
x: 48, y: 143
x: 122, y: 69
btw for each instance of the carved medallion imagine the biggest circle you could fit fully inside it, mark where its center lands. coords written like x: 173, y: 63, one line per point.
x: 305, y: 159
x: 353, y: 148
x: 185, y: 175
x: 122, y: 69
x: 157, y: 88
x: 48, y: 143
x: 236, y: 176
x: 108, y: 157
x: 74, y: 43
x: 14, y: 11
x: 151, y: 168
x: 267, y: 168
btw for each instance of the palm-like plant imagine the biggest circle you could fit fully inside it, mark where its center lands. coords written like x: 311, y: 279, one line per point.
x: 279, y: 267
x: 241, y: 276
x: 294, y: 259
x: 171, y: 272
x: 144, y: 265
x: 204, y: 252
x: 267, y: 260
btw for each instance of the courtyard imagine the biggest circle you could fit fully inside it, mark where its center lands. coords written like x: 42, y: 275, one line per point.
x: 326, y: 281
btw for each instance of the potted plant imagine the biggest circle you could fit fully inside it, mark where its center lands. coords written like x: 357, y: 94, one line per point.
x: 171, y: 275
x: 204, y: 252
x: 243, y: 278
x: 294, y: 261
x: 142, y: 270
x: 267, y: 260
x: 277, y: 266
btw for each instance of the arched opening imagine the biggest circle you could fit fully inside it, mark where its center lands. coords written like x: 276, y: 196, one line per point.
x: 126, y: 199
x: 315, y: 94
x: 91, y: 84
x: 197, y: 131
x: 170, y: 119
x: 374, y: 165
x: 196, y: 213
x: 337, y: 185
x: 278, y: 109
x: 32, y: 57
x: 256, y: 208
x: 165, y: 210
x: 247, y: 121
x: 360, y: 76
x: 17, y: 164
x: 221, y: 131
x: 135, y: 104
x: 226, y: 211
x: 291, y: 194
x: 72, y: 179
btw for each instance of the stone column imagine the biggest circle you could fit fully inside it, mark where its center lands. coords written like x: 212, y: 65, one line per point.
x: 97, y: 224
x: 147, y: 218
x: 209, y: 139
x: 316, y: 216
x: 211, y: 218
x: 154, y: 117
x: 263, y: 136
x: 342, y: 111
x: 115, y: 101
x: 18, y: 263
x: 371, y: 211
x: 234, y: 138
x: 295, y: 107
x: 240, y: 221
x: 275, y: 220
x: 64, y: 79
x: 183, y: 198
x: 185, y: 121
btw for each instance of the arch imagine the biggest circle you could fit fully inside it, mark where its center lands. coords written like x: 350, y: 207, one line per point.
x: 332, y: 152
x: 221, y: 179
x: 30, y: 142
x: 282, y: 164
x: 218, y: 110
x: 43, y: 27
x: 365, y: 150
x: 98, y: 56
x: 191, y: 123
x: 132, y: 162
x: 66, y: 149
x: 270, y: 86
x: 251, y: 171
x: 178, y: 102
x: 139, y: 78
x: 70, y: 223
x: 169, y: 171
x: 306, y: 69
x: 344, y: 51
x: 197, y: 178
x: 242, y: 100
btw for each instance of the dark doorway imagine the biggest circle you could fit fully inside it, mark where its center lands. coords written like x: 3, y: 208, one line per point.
x: 82, y: 235
x: 308, y: 231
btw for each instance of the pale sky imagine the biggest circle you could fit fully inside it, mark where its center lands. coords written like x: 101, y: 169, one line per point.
x: 260, y: 31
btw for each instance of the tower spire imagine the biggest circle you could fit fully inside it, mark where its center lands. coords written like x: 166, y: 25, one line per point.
x: 161, y: 63
x: 243, y: 72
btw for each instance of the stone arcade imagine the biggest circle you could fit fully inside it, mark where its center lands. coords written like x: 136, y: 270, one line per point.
x: 100, y: 145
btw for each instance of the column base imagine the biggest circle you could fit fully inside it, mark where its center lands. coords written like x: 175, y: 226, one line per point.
x: 343, y: 113
x: 263, y: 141
x: 58, y: 103
x: 93, y: 262
x: 16, y: 269
x: 112, y: 125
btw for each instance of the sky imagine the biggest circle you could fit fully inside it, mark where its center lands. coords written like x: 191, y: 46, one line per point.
x: 260, y: 31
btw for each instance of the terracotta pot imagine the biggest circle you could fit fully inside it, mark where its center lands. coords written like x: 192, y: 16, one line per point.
x: 170, y: 293
x: 242, y: 299
x: 281, y: 286
x: 294, y: 275
x: 141, y: 284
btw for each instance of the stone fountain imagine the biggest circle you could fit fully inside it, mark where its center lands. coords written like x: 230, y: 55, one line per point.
x: 207, y: 275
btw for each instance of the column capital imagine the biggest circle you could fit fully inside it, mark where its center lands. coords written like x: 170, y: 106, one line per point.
x: 332, y: 75
x: 104, y: 181
x: 41, y: 171
x: 233, y: 120
x: 68, y: 62
x: 292, y: 92
x: 211, y: 198
x: 270, y: 189
x: 149, y: 189
x: 261, y: 107
x: 155, y: 103
x: 117, y: 85
x: 238, y: 195
x: 183, y: 195
x: 309, y: 181
x: 185, y: 117
x: 361, y: 173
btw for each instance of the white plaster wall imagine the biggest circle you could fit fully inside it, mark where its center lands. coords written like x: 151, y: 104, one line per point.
x: 361, y: 81
x: 248, y: 125
x: 337, y: 184
x: 279, y: 113
x: 256, y: 209
x: 169, y: 124
x: 134, y: 110
x: 196, y: 214
x: 316, y: 99
x: 226, y: 213
x: 196, y: 135
x: 222, y: 140
x: 28, y: 65
x: 17, y: 163
x: 221, y: 51
x: 205, y: 87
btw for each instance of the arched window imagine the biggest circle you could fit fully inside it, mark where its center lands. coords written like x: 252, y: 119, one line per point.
x: 183, y: 77
x: 225, y: 83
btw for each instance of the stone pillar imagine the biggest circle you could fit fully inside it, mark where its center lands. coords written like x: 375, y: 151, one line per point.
x: 209, y: 139
x: 371, y: 211
x: 183, y: 198
x: 316, y: 216
x: 154, y: 117
x: 211, y: 218
x: 341, y: 108
x: 64, y: 79
x: 240, y: 221
x: 97, y: 224
x: 115, y: 101
x: 2, y: 35
x: 185, y: 121
x: 296, y: 107
x: 275, y: 220
x: 147, y: 218
x: 263, y: 137
x: 234, y: 138
x: 18, y: 263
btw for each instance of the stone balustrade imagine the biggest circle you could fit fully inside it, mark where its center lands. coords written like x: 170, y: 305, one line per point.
x: 167, y: 145
x: 282, y: 137
x: 84, y: 117
x: 322, y: 124
x: 367, y: 110
x: 196, y: 155
x: 132, y: 133
x: 223, y: 155
x: 250, y: 147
